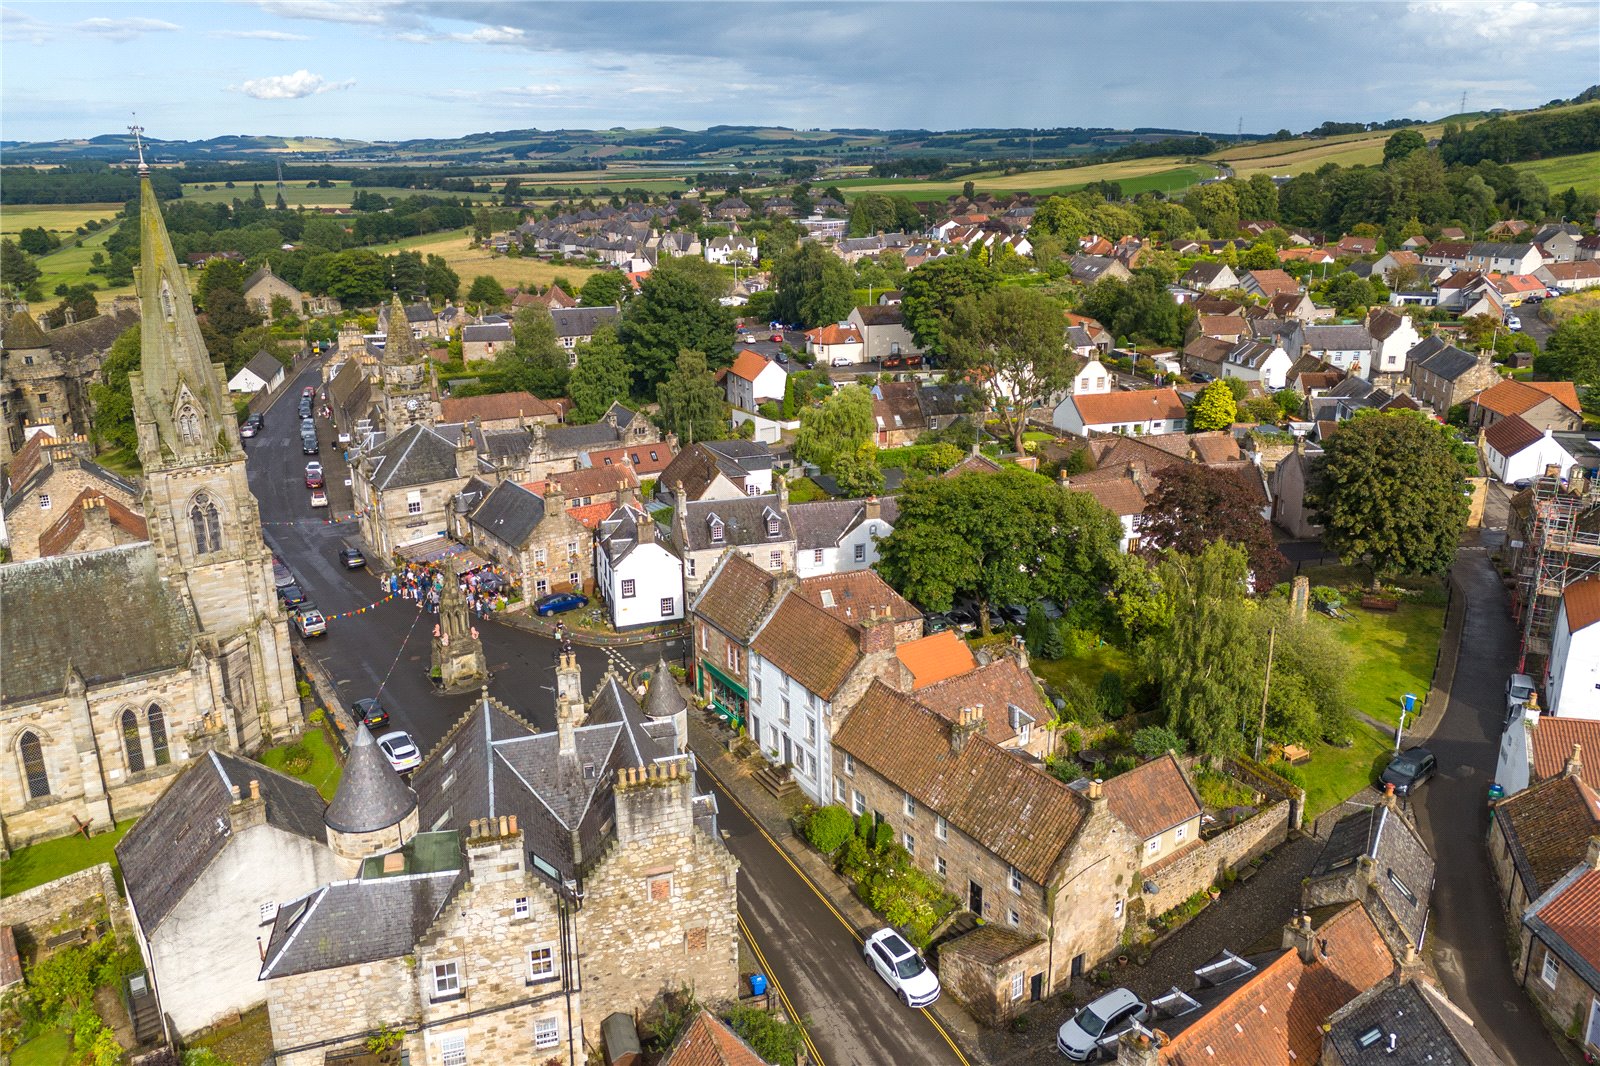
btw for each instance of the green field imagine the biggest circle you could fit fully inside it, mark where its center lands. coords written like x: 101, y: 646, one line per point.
x: 297, y: 195
x: 1581, y: 172
x: 468, y: 260
x: 70, y: 265
x: 61, y: 219
x: 1134, y: 175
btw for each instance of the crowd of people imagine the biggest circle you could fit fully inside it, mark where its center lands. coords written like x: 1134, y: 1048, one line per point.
x: 485, y: 589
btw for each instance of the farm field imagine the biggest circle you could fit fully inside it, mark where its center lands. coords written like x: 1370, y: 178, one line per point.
x: 61, y: 219
x: 70, y: 266
x: 456, y: 250
x: 1134, y: 175
x: 1581, y: 172
x: 297, y: 195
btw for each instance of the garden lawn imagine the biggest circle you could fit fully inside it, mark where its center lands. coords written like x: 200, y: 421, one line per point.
x: 36, y: 864
x: 324, y: 771
x: 1333, y: 774
x: 1086, y: 667
x: 51, y: 1048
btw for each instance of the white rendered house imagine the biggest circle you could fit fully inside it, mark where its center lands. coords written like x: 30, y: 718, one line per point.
x: 640, y: 580
x: 1574, y: 666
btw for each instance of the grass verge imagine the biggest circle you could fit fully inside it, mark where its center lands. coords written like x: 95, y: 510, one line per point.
x: 324, y: 770
x: 37, y: 864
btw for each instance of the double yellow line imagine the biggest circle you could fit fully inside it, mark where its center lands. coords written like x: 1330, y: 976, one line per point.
x: 783, y: 997
x: 851, y: 929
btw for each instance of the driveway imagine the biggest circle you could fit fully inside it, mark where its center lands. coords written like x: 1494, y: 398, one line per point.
x: 1468, y: 938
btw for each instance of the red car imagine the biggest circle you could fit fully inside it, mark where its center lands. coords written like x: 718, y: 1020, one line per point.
x: 309, y: 390
x: 314, y: 476
x: 777, y: 338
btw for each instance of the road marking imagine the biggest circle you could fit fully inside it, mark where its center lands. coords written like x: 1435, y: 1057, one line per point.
x: 806, y: 880
x: 788, y: 1007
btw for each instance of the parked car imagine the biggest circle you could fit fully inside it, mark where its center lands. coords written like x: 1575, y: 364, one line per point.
x: 936, y: 623
x: 308, y: 426
x: 314, y: 475
x: 309, y: 621
x: 1201, y: 377
x: 1522, y: 483
x: 1519, y: 690
x: 783, y: 360
x: 352, y: 558
x: 1012, y: 614
x: 309, y: 391
x: 250, y: 427
x: 292, y: 596
x: 558, y: 603
x: 319, y: 498
x: 281, y: 575
x: 1408, y: 770
x: 370, y: 713
x: 308, y: 445
x: 842, y: 360
x: 898, y: 963
x: 894, y: 362
x: 1092, y: 1032
x: 777, y: 338
x: 1513, y: 322
x: 400, y: 750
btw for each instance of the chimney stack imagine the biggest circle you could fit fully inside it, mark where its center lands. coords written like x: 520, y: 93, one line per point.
x: 1574, y: 766
x: 1299, y: 935
x: 1591, y: 855
x: 968, y: 721
x: 1097, y: 789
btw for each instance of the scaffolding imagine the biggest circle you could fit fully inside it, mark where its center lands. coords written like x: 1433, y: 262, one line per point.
x: 1560, y: 544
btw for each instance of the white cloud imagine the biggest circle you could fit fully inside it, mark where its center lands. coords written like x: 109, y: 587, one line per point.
x: 491, y: 35
x: 259, y: 35
x: 124, y: 29
x: 1466, y: 25
x: 351, y: 11
x: 290, y: 86
x: 19, y: 26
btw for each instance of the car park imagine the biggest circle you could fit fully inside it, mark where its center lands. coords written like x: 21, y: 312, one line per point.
x: 1092, y: 1032
x: 370, y: 713
x: 292, y: 596
x: 1519, y: 690
x: 351, y: 558
x: 309, y: 621
x: 559, y: 602
x: 400, y: 750
x: 319, y: 498
x: 1408, y: 770
x: 901, y: 968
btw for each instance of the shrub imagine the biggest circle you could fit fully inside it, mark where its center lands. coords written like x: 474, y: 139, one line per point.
x: 829, y: 828
x: 304, y: 688
x: 883, y: 836
x: 1155, y: 740
x: 773, y: 1040
x: 1110, y: 695
x: 1323, y: 596
x: 296, y: 760
x: 1288, y: 772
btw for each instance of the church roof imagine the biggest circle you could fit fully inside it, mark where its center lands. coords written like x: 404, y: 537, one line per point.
x: 371, y: 795
x: 107, y: 614
x: 24, y: 334
x: 171, y: 846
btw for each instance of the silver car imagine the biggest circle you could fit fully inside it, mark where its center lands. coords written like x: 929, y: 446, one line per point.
x: 1092, y: 1033
x: 1519, y: 690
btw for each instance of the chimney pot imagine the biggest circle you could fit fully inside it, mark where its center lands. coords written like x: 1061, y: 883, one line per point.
x: 255, y: 789
x: 235, y: 790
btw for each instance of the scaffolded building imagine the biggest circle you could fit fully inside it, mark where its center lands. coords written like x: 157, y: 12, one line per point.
x: 1555, y: 540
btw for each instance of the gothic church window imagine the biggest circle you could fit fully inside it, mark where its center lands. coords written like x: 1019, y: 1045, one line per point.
x: 189, y: 425
x: 130, y: 740
x: 33, y: 766
x: 207, y: 525
x: 158, y: 735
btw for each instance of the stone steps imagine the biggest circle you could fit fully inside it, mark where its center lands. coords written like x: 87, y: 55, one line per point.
x: 776, y: 780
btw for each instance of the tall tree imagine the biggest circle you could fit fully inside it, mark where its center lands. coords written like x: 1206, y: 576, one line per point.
x: 1003, y: 538
x: 1194, y: 505
x: 605, y: 289
x: 536, y: 363
x: 601, y: 376
x: 932, y: 289
x: 1206, y: 664
x: 836, y: 428
x: 18, y: 271
x: 673, y: 311
x: 442, y: 283
x: 814, y: 286
x: 1575, y: 346
x: 1402, y: 143
x: 1011, y: 344
x: 486, y: 292
x: 1389, y: 494
x: 1214, y: 408
x: 692, y: 406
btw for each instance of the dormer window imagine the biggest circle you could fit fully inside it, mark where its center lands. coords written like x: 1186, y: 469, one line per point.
x: 774, y: 525
x: 716, y: 530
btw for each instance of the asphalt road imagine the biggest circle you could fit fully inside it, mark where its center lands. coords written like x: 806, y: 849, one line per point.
x: 851, y: 1015
x: 389, y: 647
x: 1469, y: 943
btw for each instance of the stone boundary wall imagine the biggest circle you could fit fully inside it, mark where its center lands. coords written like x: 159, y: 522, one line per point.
x: 1231, y: 849
x: 69, y: 902
x: 1264, y: 780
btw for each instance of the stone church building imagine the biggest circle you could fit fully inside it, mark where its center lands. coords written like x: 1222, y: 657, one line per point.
x: 123, y: 664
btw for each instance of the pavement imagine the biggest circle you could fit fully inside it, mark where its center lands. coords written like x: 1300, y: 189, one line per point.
x: 808, y: 927
x: 387, y: 650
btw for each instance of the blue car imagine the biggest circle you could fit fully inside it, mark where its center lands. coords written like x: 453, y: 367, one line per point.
x: 559, y: 603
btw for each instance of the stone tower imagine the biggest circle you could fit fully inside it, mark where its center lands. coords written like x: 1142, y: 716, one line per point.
x: 402, y: 375
x: 373, y: 811
x: 457, y: 651
x: 203, y: 521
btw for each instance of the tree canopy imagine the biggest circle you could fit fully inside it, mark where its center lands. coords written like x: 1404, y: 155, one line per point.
x: 1574, y: 348
x: 536, y: 363
x: 1195, y: 505
x: 692, y: 406
x: 676, y: 309
x: 1010, y: 343
x: 601, y: 376
x: 930, y: 290
x: 608, y: 288
x: 1214, y: 408
x: 814, y: 286
x: 837, y: 428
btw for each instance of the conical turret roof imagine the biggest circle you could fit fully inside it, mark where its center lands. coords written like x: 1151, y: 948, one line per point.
x: 23, y: 334
x: 371, y: 795
x: 662, y: 699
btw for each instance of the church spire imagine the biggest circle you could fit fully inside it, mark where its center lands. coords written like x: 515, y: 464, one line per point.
x: 399, y: 346
x: 177, y: 387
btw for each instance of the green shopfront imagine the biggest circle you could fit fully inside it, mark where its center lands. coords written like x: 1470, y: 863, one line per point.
x: 727, y: 696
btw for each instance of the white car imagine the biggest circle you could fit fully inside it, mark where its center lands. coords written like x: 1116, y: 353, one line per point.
x: 310, y: 622
x: 400, y: 750
x: 1513, y: 322
x: 843, y: 360
x: 1092, y: 1032
x: 898, y: 963
x: 319, y: 498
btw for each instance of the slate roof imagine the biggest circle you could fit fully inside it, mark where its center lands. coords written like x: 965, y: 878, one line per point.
x: 510, y: 513
x: 173, y: 843
x: 1000, y: 686
x: 1153, y: 797
x: 1008, y: 806
x: 23, y: 334
x: 417, y: 455
x: 1338, y: 338
x: 1203, y: 273
x: 1512, y: 435
x: 744, y: 521
x: 582, y: 321
x: 265, y: 365
x: 823, y: 523
x: 618, y: 533
x: 91, y: 335
x: 1547, y: 828
x: 1398, y: 854
x: 737, y: 597
x: 810, y: 644
x: 496, y: 331
x: 1427, y: 1028
x: 568, y: 439
x: 36, y: 479
x: 107, y: 614
x: 1448, y: 361
x: 371, y: 796
x: 880, y: 315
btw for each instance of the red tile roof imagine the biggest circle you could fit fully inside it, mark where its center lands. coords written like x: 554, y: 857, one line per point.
x: 1548, y: 826
x: 1565, y: 391
x: 592, y: 514
x: 748, y: 365
x: 495, y: 407
x: 1572, y: 916
x: 1276, y: 1016
x: 1552, y: 743
x: 1152, y: 798
x: 707, y: 1041
x: 833, y: 333
x: 1514, y: 397
x: 1273, y: 282
x: 810, y: 645
x: 936, y: 658
x: 64, y: 531
x: 1111, y: 408
x: 997, y: 686
x: 856, y: 596
x: 1580, y: 270
x: 1511, y: 435
x: 1581, y: 601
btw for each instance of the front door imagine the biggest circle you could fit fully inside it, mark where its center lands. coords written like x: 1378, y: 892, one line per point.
x: 975, y: 898
x: 1036, y: 991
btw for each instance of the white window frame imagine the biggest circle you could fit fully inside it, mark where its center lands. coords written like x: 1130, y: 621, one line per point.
x: 941, y: 828
x: 630, y: 588
x: 546, y: 1032
x: 858, y: 802
x: 1550, y: 971
x: 908, y: 803
x: 1118, y: 907
x: 849, y: 766
x: 1180, y: 832
x: 669, y: 606
x: 519, y: 907
x: 539, y: 973
x: 1152, y: 846
x: 453, y: 1049
x: 940, y: 866
x: 1013, y: 918
x: 908, y: 842
x: 267, y: 911
x: 413, y: 503
x: 861, y: 553
x: 44, y: 501
x: 1019, y: 982
x: 838, y: 790
x: 1014, y: 877
x: 447, y: 972
x: 816, y: 556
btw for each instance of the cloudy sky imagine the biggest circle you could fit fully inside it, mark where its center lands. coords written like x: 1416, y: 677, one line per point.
x: 379, y: 70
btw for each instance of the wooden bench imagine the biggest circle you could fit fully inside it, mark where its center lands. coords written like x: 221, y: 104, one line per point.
x: 1379, y: 603
x: 1295, y: 754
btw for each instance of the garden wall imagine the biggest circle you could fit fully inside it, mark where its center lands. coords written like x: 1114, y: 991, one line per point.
x: 1187, y: 872
x: 75, y: 901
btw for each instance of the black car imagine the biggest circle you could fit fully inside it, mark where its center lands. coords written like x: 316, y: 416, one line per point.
x: 352, y: 558
x: 292, y: 596
x: 309, y: 446
x: 1012, y: 614
x: 1408, y: 770
x: 250, y: 427
x: 936, y: 623
x: 371, y: 713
